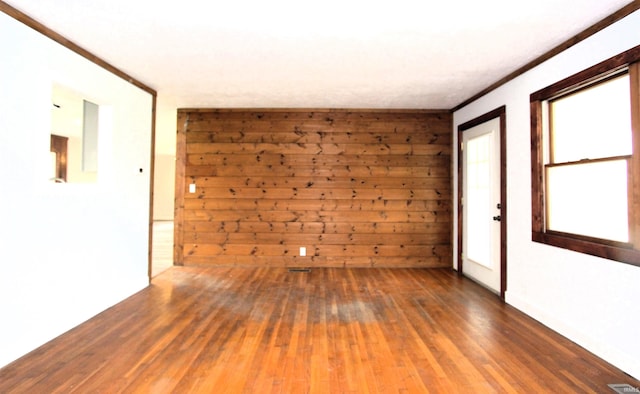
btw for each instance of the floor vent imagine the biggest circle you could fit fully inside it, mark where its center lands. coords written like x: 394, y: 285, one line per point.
x: 624, y: 388
x: 299, y: 270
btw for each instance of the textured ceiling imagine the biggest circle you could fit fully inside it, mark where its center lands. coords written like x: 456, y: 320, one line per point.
x: 330, y: 54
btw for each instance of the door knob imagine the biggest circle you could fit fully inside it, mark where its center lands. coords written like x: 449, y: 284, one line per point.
x: 497, y: 218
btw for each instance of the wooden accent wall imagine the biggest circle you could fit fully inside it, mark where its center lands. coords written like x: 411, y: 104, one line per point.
x: 356, y: 188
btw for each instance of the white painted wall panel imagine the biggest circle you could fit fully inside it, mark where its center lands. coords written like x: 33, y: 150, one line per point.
x: 67, y: 251
x: 593, y: 301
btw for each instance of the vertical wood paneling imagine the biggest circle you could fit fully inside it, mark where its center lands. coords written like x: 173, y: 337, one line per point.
x: 356, y: 188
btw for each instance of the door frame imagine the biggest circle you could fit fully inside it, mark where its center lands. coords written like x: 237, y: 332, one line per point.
x: 59, y: 146
x: 501, y: 113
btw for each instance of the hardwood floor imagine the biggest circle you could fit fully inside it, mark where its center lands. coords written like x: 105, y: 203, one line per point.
x: 249, y: 330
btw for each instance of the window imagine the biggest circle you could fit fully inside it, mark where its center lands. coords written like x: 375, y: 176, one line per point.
x: 584, y: 194
x: 586, y: 167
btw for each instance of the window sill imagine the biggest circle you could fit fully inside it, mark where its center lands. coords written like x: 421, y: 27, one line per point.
x: 623, y: 254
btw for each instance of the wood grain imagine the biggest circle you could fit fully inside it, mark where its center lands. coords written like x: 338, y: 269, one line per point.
x: 248, y: 330
x: 180, y: 188
x: 270, y: 181
x: 59, y: 147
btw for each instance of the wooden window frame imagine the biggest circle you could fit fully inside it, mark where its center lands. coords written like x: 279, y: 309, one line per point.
x: 618, y: 251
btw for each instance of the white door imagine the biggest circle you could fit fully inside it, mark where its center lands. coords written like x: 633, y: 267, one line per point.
x: 481, y: 203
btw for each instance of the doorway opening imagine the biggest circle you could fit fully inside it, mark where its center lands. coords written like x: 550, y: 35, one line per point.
x: 163, y: 189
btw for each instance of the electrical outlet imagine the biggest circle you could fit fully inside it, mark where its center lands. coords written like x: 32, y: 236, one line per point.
x: 192, y: 188
x: 303, y: 251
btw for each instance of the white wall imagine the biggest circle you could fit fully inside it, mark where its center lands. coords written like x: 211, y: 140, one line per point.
x: 67, y: 251
x: 592, y: 301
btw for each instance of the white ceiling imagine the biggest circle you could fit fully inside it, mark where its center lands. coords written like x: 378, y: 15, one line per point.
x: 330, y: 54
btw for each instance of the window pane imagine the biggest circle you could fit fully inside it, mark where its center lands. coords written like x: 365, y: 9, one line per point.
x: 589, y: 199
x: 478, y: 199
x: 592, y: 123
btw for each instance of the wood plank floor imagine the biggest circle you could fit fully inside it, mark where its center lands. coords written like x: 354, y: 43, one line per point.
x: 248, y: 330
